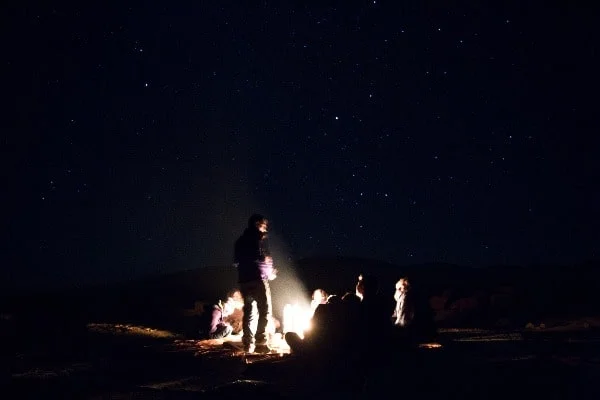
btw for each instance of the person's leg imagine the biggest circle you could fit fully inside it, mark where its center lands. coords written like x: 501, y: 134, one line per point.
x: 223, y: 330
x: 263, y: 304
x: 295, y: 342
x: 247, y: 290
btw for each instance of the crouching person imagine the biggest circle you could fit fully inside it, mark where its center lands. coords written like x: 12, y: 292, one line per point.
x: 330, y: 349
x: 331, y: 329
x: 216, y: 322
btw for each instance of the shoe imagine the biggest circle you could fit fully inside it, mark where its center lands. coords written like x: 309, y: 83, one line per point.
x: 249, y: 348
x: 262, y: 349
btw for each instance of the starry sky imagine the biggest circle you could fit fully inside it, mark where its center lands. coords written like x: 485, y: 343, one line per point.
x: 142, y: 135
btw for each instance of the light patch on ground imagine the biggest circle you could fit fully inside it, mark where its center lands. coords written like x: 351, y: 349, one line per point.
x: 432, y: 345
x: 130, y: 330
x: 59, y: 371
x: 571, y: 325
x: 463, y: 330
x: 188, y: 384
x: 499, y: 337
x: 229, y: 346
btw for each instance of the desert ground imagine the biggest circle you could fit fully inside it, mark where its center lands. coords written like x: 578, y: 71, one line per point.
x: 526, y: 333
x: 125, y: 361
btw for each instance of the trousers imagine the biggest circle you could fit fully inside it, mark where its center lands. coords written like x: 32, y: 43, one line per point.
x: 256, y: 291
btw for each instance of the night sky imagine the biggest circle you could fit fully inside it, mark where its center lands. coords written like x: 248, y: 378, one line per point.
x: 142, y: 135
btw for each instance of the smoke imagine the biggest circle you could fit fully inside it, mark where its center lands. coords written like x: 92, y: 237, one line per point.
x: 288, y: 288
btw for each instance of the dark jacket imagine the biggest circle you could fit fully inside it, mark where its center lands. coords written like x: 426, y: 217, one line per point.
x: 250, y: 252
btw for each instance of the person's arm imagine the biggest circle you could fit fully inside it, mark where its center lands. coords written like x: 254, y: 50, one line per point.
x: 215, y: 320
x: 264, y: 249
x: 395, y: 314
x: 407, y: 313
x: 267, y: 259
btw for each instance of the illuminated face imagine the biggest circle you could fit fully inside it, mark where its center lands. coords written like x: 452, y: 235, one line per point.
x: 262, y: 226
x: 318, y: 296
x: 400, y: 288
x: 231, y: 305
x: 237, y: 297
x: 228, y: 309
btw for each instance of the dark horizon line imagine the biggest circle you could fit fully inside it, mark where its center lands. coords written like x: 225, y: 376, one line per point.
x: 20, y: 287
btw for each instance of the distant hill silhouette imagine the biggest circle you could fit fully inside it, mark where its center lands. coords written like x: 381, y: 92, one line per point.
x: 460, y: 294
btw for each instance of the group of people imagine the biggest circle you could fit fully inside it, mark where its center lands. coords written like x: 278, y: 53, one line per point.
x: 338, y: 323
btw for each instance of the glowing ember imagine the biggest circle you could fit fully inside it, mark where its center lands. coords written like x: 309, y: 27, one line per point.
x: 296, y: 319
x: 430, y: 345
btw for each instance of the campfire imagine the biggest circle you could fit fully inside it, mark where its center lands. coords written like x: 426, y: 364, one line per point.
x: 296, y: 319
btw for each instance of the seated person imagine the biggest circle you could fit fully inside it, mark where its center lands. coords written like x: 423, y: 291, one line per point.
x: 333, y: 349
x: 331, y: 323
x: 216, y: 322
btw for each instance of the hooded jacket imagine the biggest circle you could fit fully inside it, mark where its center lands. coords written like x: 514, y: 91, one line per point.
x: 250, y: 253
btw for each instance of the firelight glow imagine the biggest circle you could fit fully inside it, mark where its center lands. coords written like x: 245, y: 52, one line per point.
x: 296, y: 319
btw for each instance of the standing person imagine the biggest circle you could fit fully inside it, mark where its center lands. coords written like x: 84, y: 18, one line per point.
x: 412, y: 313
x: 374, y: 318
x: 255, y: 270
x: 404, y: 311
